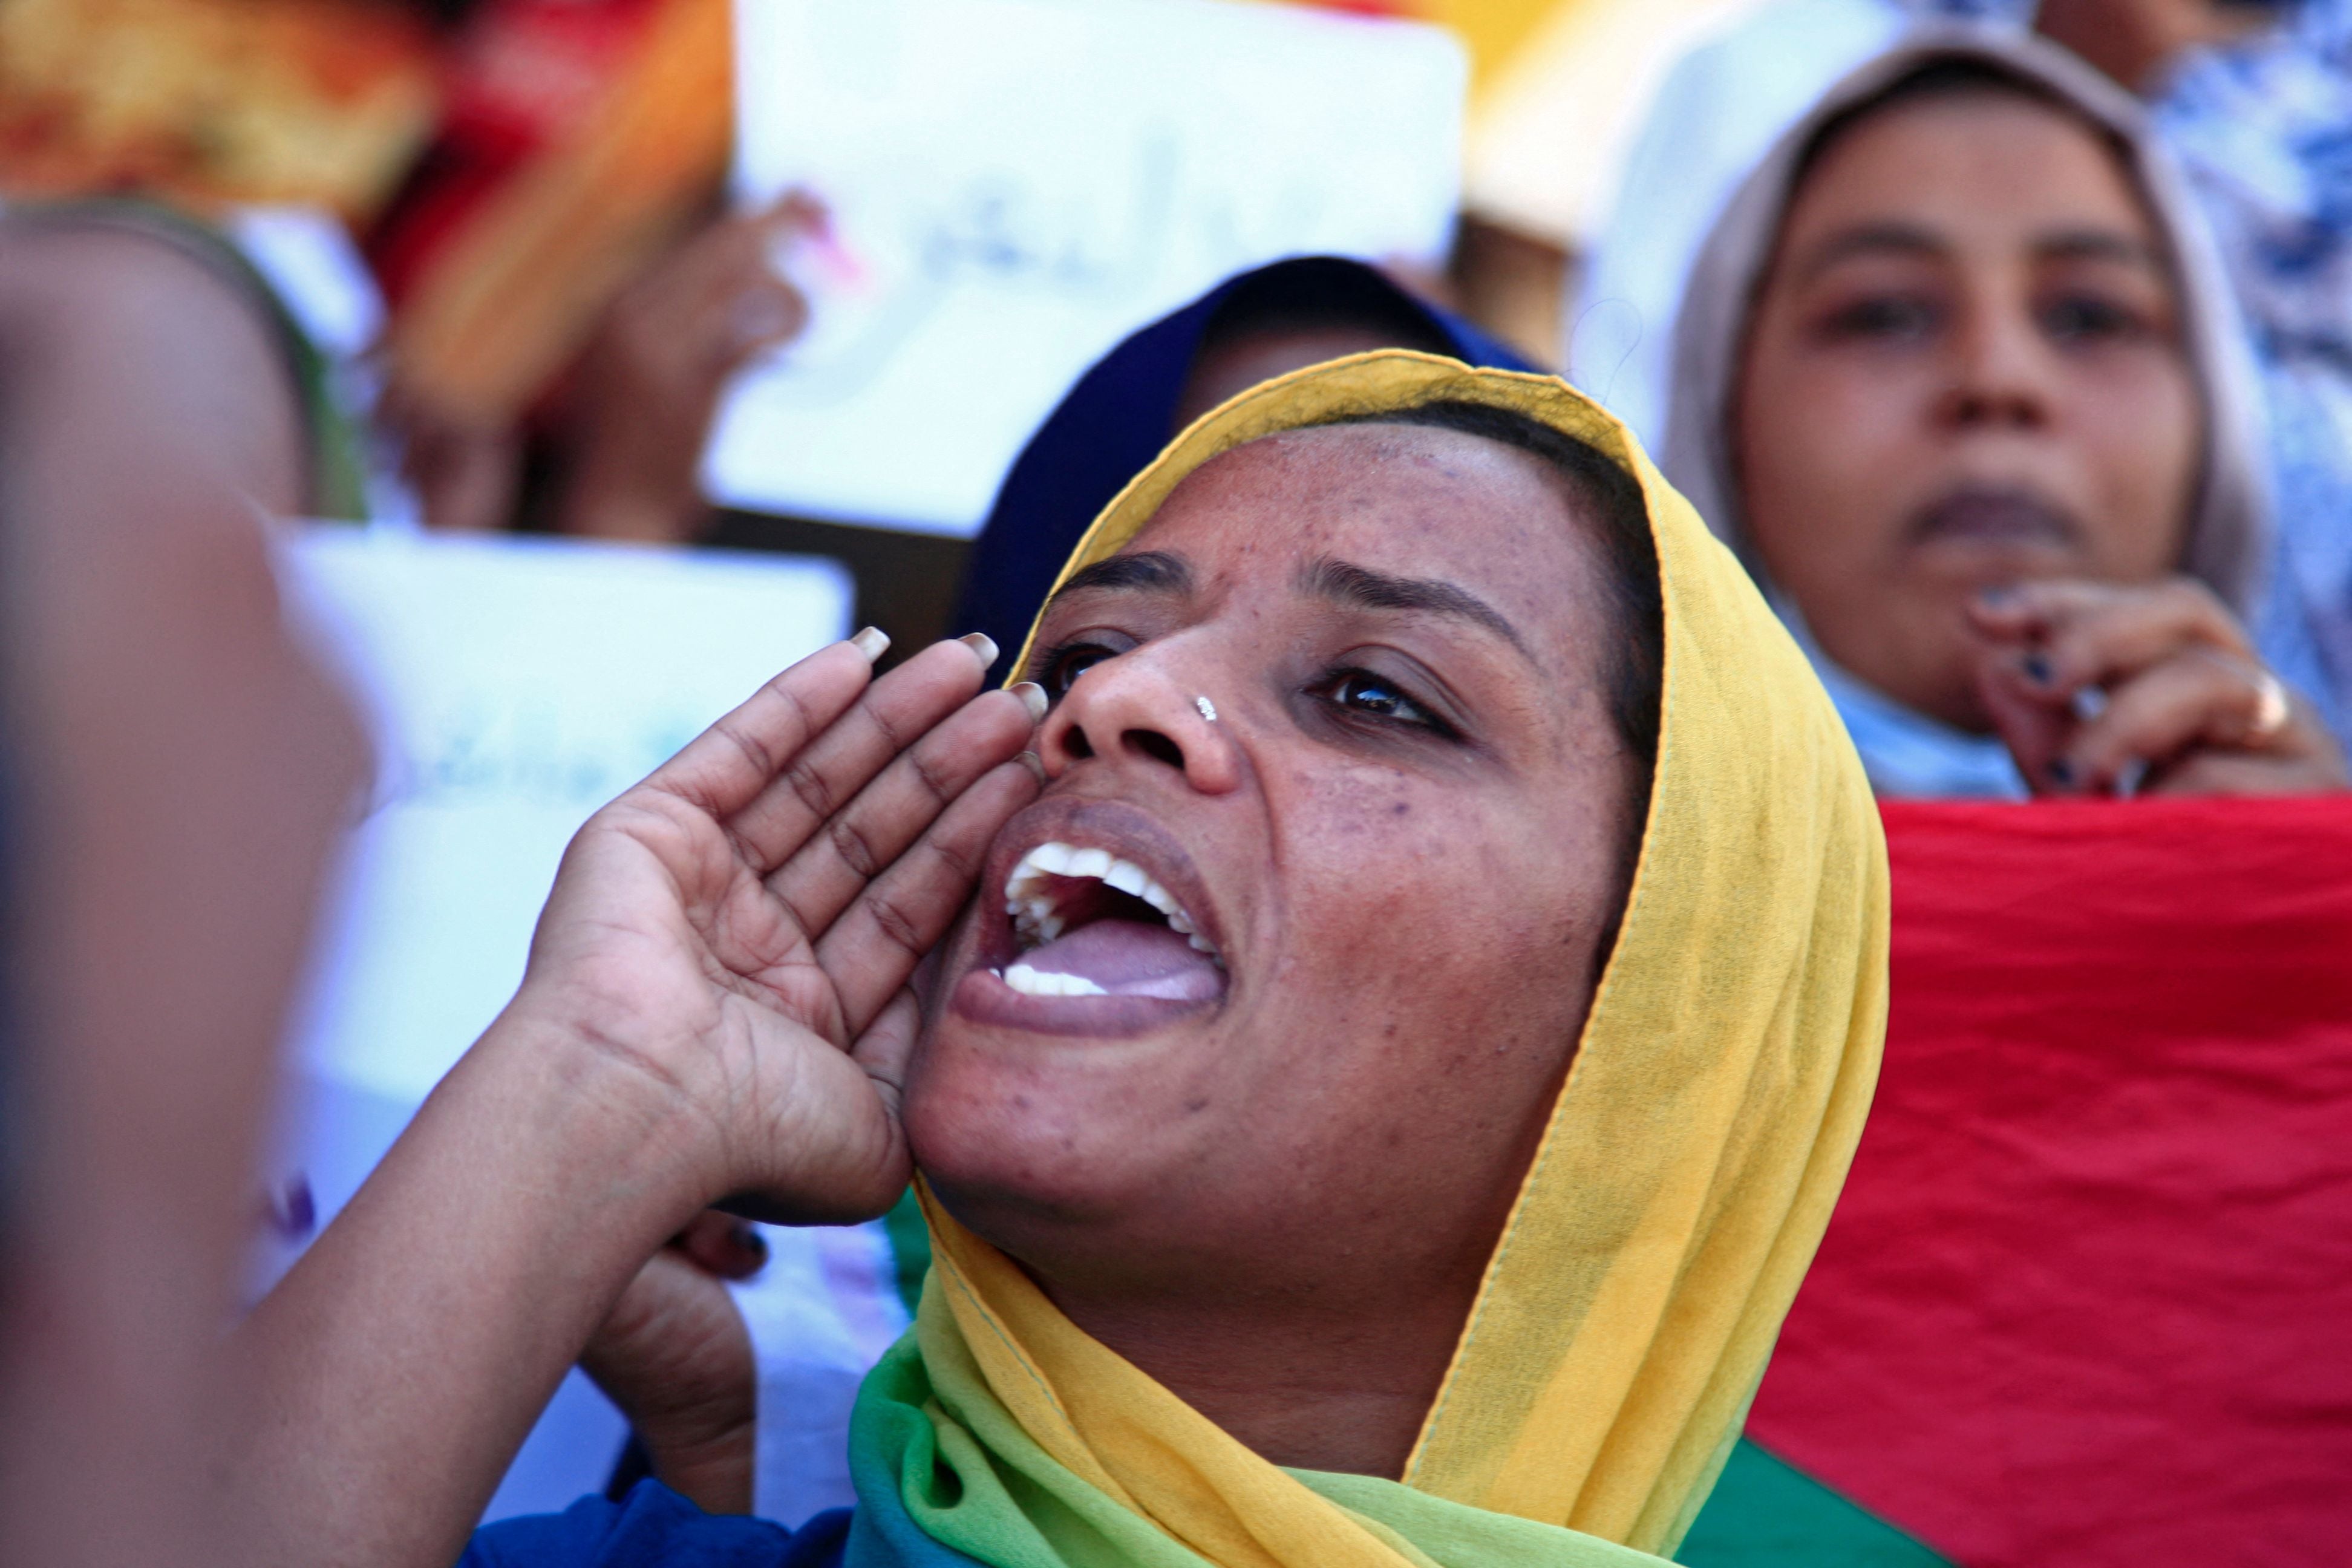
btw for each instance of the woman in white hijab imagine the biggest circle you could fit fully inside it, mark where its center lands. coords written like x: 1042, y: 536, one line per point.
x: 1957, y: 376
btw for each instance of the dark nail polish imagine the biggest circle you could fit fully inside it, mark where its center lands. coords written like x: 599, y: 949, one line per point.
x: 2062, y: 771
x: 292, y: 1211
x: 2037, y: 669
x: 751, y: 1243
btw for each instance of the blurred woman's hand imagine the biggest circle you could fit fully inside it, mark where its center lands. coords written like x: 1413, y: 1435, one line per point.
x: 673, y: 1355
x: 646, y: 387
x: 2153, y: 689
x: 466, y: 470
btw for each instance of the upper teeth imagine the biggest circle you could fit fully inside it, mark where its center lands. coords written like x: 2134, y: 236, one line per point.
x: 1030, y: 902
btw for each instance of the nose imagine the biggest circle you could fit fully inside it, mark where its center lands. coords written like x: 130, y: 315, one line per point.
x: 2001, y: 375
x: 1142, y: 710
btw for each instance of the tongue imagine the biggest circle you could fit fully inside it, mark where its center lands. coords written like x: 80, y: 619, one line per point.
x: 1128, y: 958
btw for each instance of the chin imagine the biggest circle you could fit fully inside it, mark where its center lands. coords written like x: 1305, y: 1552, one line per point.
x: 1011, y: 1129
x: 1082, y: 1022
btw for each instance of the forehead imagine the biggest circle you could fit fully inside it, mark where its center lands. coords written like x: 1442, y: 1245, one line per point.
x: 1402, y: 499
x: 1974, y: 160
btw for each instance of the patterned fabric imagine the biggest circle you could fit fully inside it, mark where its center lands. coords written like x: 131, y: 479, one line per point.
x: 2264, y: 130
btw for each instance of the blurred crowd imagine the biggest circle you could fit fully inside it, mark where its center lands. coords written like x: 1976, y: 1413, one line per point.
x: 2009, y: 347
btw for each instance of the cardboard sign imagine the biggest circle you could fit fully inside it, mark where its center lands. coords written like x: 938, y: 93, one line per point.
x: 1017, y: 184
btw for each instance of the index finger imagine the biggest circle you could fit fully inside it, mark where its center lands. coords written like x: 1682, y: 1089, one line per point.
x: 2095, y: 633
x: 2032, y: 610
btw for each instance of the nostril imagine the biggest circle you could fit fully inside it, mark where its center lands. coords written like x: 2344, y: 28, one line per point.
x: 1075, y: 742
x: 1154, y: 744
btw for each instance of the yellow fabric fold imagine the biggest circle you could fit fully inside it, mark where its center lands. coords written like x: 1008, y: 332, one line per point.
x: 1697, y: 1146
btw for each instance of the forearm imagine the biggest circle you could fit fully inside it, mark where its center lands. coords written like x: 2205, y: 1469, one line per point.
x: 396, y: 1369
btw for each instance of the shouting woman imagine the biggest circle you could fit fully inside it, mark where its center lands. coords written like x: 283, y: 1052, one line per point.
x: 1378, y: 1071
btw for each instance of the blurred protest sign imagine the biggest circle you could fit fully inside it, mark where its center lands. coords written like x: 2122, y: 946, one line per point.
x: 515, y: 687
x: 1019, y: 184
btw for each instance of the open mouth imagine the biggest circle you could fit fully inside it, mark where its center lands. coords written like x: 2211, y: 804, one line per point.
x: 1087, y: 922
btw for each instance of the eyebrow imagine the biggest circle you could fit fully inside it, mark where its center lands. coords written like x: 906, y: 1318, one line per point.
x: 1152, y: 571
x: 2098, y: 245
x: 1910, y: 239
x: 1339, y: 582
x: 1345, y: 582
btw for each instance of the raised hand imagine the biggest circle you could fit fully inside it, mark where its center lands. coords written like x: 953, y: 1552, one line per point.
x: 716, y: 1003
x: 645, y: 392
x: 742, y: 925
x: 2099, y: 687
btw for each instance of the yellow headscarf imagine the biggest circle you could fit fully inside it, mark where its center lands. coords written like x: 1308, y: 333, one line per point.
x: 1696, y: 1149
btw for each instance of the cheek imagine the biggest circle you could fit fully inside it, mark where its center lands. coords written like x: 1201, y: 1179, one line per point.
x: 2142, y: 440
x: 1428, y: 909
x: 1826, y: 455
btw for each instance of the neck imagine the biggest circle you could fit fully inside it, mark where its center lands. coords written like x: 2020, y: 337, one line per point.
x: 1319, y: 1384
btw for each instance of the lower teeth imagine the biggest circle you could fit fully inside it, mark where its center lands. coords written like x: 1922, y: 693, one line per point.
x: 1031, y: 982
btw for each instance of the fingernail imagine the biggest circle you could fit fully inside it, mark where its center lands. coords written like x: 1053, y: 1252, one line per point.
x: 752, y: 1244
x: 2062, y: 771
x: 873, y: 642
x: 2037, y: 669
x: 1032, y: 698
x: 1035, y: 764
x: 1999, y: 598
x: 982, y: 644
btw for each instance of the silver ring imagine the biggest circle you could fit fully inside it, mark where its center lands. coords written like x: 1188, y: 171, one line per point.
x: 2270, y: 706
x: 1208, y: 709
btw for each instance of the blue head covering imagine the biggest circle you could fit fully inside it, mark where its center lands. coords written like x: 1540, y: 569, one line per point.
x: 1123, y: 411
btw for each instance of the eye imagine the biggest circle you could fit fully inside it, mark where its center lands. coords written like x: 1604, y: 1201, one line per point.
x: 1059, y: 665
x: 1881, y: 317
x: 2091, y: 319
x: 1365, y: 695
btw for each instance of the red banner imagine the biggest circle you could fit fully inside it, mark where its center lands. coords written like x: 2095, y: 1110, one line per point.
x: 2087, y: 1299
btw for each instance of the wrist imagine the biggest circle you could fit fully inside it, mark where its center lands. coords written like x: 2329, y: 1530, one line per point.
x: 606, y: 497
x: 589, y: 1117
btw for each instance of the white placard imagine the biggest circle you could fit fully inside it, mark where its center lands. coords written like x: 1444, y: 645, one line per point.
x: 1017, y: 184
x: 516, y: 686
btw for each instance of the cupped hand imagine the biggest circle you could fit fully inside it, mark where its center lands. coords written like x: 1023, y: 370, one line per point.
x: 2101, y: 689
x: 740, y: 929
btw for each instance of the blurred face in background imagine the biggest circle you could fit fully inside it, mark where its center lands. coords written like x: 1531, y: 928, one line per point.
x: 1964, y: 368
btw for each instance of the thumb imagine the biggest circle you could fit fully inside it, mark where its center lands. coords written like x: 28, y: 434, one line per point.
x: 884, y: 1049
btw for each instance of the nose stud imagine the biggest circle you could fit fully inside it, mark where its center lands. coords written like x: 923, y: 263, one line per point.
x: 1208, y: 709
